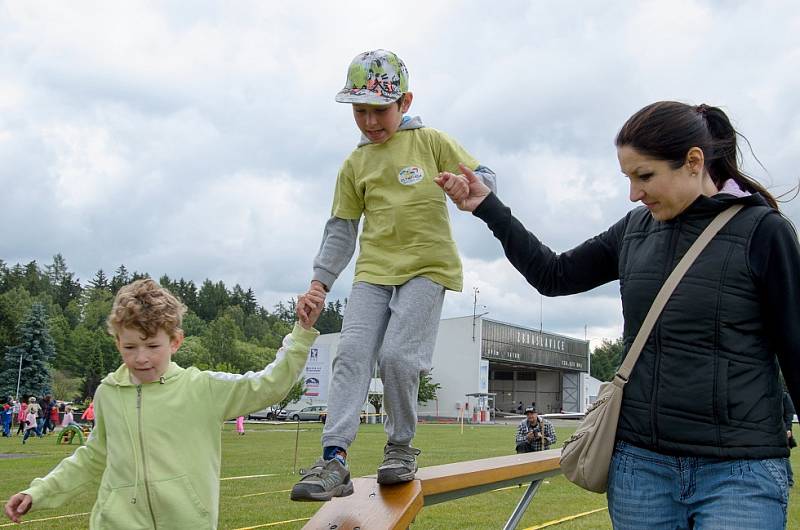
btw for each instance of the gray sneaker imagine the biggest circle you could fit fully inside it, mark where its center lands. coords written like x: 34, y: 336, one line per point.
x: 326, y: 479
x: 399, y: 464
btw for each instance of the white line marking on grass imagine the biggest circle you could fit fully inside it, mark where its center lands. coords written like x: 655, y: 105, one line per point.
x: 263, y: 493
x: 45, y: 519
x: 281, y: 430
x: 248, y: 476
x: 510, y: 487
x: 565, y: 519
x: 274, y: 524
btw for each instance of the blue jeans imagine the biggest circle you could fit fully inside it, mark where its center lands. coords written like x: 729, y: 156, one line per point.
x: 654, y: 491
x: 28, y: 433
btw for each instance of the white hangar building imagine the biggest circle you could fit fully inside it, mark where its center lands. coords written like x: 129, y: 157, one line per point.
x: 476, y: 355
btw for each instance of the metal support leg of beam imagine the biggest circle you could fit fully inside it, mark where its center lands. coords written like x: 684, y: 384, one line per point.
x: 519, y: 511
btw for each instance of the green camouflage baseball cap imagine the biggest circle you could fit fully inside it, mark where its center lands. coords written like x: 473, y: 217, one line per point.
x: 377, y: 77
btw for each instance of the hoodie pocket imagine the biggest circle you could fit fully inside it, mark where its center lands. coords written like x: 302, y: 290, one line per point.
x: 177, y: 505
x: 117, y: 511
x: 721, y: 395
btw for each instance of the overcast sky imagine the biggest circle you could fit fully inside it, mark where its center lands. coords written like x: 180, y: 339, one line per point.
x: 202, y: 139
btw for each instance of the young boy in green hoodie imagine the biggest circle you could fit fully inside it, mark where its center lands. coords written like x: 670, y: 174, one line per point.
x: 159, y: 467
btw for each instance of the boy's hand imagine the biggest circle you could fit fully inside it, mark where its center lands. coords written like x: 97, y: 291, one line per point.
x: 452, y: 185
x: 319, y: 287
x: 309, y: 307
x: 303, y: 305
x: 17, y: 506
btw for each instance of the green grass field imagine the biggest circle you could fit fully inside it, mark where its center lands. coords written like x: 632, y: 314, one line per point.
x: 269, y: 450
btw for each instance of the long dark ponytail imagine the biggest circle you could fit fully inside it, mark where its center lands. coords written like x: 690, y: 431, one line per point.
x: 666, y: 130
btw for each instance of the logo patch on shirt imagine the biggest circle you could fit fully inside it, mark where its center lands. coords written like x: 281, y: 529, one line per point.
x: 410, y: 175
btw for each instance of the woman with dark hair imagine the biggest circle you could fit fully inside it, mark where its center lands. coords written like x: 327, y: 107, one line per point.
x: 700, y: 441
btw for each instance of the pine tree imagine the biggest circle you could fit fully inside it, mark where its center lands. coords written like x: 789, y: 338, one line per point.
x: 237, y: 296
x: 68, y: 290
x: 250, y: 303
x: 57, y: 270
x: 212, y: 300
x: 34, y: 281
x: 63, y: 286
x: 33, y: 353
x: 95, y: 368
x: 120, y: 279
x: 99, y: 282
x: 139, y: 276
x: 330, y: 320
x: 167, y: 283
x: 187, y: 292
x: 14, y: 277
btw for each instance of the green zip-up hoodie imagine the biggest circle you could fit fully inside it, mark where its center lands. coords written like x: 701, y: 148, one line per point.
x: 156, y: 447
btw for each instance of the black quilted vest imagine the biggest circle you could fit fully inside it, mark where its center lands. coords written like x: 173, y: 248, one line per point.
x: 706, y: 383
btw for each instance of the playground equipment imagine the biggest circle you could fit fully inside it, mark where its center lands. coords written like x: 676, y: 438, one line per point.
x: 377, y: 507
x: 71, y: 433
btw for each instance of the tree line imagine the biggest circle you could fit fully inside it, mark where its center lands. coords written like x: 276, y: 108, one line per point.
x: 606, y: 359
x: 49, y: 311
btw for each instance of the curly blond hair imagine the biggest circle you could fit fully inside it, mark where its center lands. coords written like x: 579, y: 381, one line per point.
x: 148, y: 307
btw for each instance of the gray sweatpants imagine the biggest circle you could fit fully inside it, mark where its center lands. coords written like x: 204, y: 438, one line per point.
x: 395, y: 325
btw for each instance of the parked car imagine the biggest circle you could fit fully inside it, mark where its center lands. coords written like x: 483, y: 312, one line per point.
x: 362, y: 418
x: 311, y: 413
x: 266, y: 414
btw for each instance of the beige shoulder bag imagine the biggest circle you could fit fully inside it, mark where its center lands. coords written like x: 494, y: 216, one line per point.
x: 586, y: 455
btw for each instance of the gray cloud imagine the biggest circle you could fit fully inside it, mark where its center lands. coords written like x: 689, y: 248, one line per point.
x: 204, y: 141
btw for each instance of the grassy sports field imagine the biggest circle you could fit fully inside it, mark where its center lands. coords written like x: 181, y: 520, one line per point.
x: 257, y: 472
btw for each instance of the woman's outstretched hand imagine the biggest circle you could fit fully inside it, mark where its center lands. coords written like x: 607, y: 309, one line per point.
x: 467, y: 191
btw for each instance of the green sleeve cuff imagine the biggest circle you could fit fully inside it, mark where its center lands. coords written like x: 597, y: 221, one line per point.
x: 304, y: 337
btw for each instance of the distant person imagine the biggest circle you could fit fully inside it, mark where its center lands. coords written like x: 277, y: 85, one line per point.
x: 6, y: 414
x: 788, y: 420
x: 702, y: 400
x: 88, y: 414
x: 22, y: 417
x: 534, y: 433
x: 47, y: 407
x: 240, y: 425
x: 16, y: 407
x: 53, y: 416
x: 407, y: 260
x: 520, y: 407
x: 69, y: 419
x: 36, y: 409
x: 30, y: 425
x: 156, y: 464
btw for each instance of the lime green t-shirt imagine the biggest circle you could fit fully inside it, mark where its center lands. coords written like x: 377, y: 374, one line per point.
x: 406, y: 225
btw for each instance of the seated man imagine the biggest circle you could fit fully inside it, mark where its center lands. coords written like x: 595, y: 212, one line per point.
x: 534, y: 433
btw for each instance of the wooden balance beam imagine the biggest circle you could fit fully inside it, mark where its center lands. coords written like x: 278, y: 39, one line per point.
x: 375, y: 507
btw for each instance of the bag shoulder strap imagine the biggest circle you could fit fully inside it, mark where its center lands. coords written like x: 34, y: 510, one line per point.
x: 674, y: 278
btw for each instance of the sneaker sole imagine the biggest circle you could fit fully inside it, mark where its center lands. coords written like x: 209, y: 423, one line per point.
x: 342, y: 490
x: 390, y: 476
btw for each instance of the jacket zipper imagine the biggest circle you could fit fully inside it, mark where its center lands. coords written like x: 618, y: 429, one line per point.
x: 668, y: 266
x: 144, y: 456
